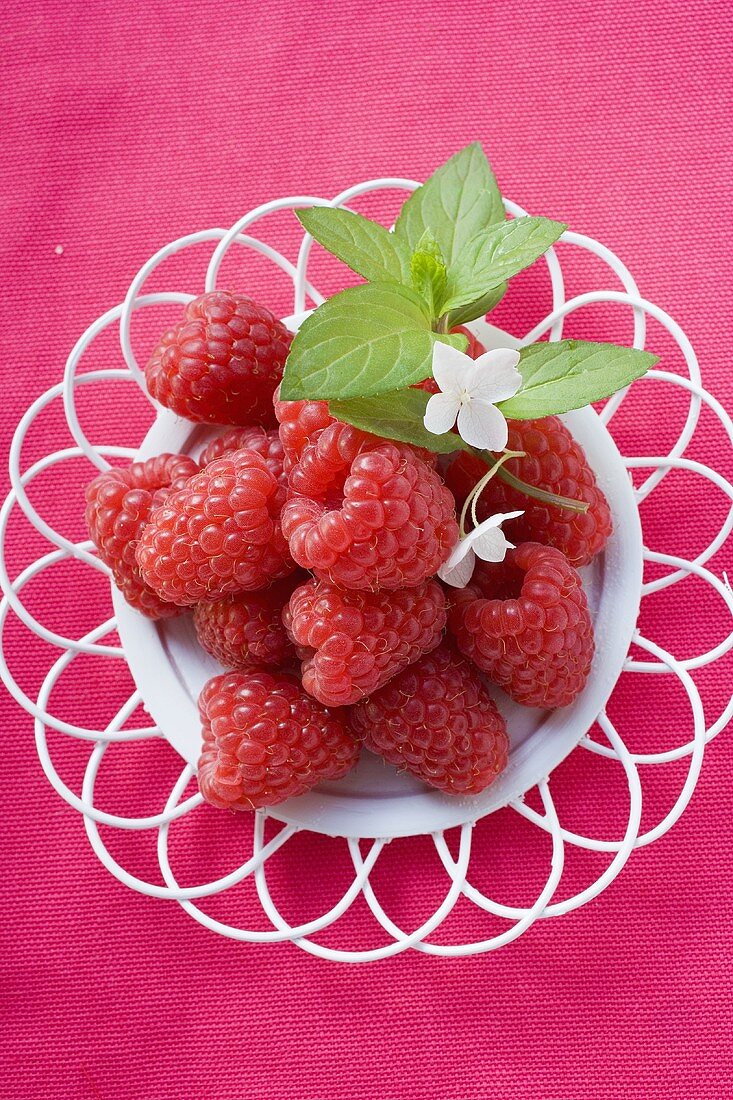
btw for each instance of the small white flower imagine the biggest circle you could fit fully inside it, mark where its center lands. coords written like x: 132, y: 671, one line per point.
x: 470, y: 389
x: 487, y: 541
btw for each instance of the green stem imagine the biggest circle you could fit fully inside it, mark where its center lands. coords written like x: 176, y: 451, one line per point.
x: 532, y: 491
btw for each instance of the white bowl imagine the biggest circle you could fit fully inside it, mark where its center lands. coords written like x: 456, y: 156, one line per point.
x: 170, y: 668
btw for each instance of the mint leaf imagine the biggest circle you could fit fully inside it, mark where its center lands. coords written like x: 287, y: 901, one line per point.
x: 366, y: 340
x: 396, y: 416
x: 459, y: 200
x: 429, y: 275
x: 365, y: 246
x: 572, y: 373
x: 479, y: 308
x: 497, y: 253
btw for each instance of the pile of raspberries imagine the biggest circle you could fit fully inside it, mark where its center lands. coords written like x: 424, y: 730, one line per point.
x: 308, y: 550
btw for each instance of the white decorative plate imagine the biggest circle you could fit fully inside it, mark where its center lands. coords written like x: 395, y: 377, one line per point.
x: 375, y: 802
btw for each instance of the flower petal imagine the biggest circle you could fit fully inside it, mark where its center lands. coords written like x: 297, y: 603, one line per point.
x: 457, y: 573
x: 490, y: 523
x: 441, y: 412
x: 451, y: 368
x: 459, y: 551
x: 481, y: 424
x: 491, y: 545
x: 495, y: 376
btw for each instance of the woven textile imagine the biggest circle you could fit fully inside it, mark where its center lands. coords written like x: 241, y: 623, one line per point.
x: 125, y: 126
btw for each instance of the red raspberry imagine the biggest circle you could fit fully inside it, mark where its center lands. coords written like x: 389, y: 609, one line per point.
x: 253, y: 438
x: 302, y: 427
x: 525, y: 623
x: 390, y: 524
x: 247, y: 629
x: 119, y: 503
x: 352, y: 643
x: 553, y: 462
x: 437, y: 720
x: 265, y: 740
x: 325, y: 460
x: 474, y: 349
x: 300, y: 422
x: 218, y: 534
x: 221, y: 362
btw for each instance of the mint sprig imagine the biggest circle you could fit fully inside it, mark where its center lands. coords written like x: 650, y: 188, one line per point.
x: 429, y: 274
x: 479, y: 308
x: 446, y: 263
x: 458, y: 201
x: 363, y: 245
x: 495, y: 255
x: 367, y: 340
x: 569, y: 374
x: 558, y: 377
x: 457, y: 218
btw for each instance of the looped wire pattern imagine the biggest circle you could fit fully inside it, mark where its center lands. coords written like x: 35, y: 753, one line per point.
x: 457, y: 870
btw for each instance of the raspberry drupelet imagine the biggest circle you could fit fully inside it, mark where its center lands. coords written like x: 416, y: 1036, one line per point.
x: 218, y: 534
x: 525, y: 623
x: 265, y: 740
x: 300, y: 422
x: 437, y: 720
x: 555, y: 462
x: 246, y: 630
x: 321, y: 453
x: 119, y: 504
x: 254, y: 438
x: 382, y: 520
x: 220, y: 363
x: 351, y: 643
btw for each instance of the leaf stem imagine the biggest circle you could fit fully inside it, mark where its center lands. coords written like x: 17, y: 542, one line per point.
x: 555, y: 499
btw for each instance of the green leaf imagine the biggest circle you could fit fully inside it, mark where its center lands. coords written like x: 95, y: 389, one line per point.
x: 479, y: 308
x: 495, y: 255
x: 429, y: 275
x: 365, y: 246
x: 366, y: 340
x: 396, y: 416
x: 428, y: 243
x: 459, y: 200
x: 572, y: 373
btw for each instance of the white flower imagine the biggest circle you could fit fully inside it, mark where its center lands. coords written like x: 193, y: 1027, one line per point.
x: 487, y: 541
x: 470, y: 389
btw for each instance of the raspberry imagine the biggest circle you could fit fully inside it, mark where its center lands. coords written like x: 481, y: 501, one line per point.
x: 389, y: 524
x: 218, y: 534
x: 437, y: 720
x: 247, y: 629
x: 525, y: 623
x: 265, y: 740
x: 302, y: 426
x: 300, y: 422
x: 352, y: 643
x: 221, y: 362
x: 253, y: 438
x: 553, y: 462
x: 119, y: 503
x: 474, y: 348
x: 326, y: 459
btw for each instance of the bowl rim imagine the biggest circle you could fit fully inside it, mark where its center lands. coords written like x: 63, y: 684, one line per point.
x: 408, y: 807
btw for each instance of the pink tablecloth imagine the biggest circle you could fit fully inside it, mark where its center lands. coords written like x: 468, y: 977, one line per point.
x: 127, y: 125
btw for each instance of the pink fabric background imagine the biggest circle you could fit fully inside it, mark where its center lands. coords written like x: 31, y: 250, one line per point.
x: 127, y: 125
